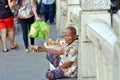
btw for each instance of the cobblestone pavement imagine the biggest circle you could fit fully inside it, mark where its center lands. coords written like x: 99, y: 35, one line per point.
x: 20, y: 65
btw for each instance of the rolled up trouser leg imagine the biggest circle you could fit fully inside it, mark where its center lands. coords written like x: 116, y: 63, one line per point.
x: 55, y: 74
x: 54, y: 59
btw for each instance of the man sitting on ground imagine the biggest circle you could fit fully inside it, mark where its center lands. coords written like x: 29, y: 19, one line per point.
x: 67, y: 65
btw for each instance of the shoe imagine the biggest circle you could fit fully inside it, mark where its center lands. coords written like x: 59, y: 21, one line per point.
x: 15, y: 46
x: 6, y: 50
x: 27, y: 50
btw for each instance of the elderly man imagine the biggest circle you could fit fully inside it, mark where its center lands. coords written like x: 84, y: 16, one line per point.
x: 66, y: 66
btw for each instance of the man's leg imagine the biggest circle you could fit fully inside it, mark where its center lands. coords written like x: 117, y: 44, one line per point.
x: 55, y: 74
x: 54, y: 59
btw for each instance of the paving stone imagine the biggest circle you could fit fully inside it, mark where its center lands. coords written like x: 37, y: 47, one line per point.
x: 20, y: 65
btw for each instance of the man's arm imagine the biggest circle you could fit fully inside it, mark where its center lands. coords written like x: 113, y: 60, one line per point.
x: 57, y: 52
x: 66, y: 65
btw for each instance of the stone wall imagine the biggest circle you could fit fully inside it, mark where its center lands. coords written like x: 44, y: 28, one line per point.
x: 98, y: 58
x: 95, y: 4
x: 64, y: 9
x: 116, y: 26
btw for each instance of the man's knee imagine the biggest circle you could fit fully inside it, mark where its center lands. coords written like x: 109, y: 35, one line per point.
x: 49, y: 75
x: 55, y: 74
x: 48, y: 56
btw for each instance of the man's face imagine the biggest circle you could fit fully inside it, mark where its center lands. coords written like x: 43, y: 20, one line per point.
x: 69, y: 37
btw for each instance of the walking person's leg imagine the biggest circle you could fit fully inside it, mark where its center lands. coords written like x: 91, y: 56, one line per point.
x: 25, y: 32
x: 30, y: 21
x: 54, y: 10
x: 38, y: 8
x: 51, y: 13
x: 11, y: 35
x: 0, y: 37
x: 3, y: 37
x: 45, y: 12
x: 7, y: 25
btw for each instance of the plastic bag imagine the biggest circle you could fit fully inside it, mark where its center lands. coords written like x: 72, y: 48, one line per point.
x: 45, y: 28
x: 34, y: 29
x: 39, y: 29
x: 41, y: 35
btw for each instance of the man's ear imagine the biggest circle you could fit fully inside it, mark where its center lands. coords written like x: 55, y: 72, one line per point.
x: 76, y: 37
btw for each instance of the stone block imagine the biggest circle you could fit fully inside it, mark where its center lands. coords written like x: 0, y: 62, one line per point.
x: 118, y: 13
x: 75, y: 20
x: 71, y: 9
x: 63, y: 12
x: 71, y: 2
x: 63, y: 5
x: 100, y: 16
x: 116, y: 25
x: 103, y: 38
x: 62, y: 26
x: 58, y: 13
x: 87, y: 48
x: 117, y: 62
x: 95, y: 4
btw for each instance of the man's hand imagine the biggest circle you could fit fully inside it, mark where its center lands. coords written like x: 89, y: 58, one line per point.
x: 40, y: 49
x: 36, y: 48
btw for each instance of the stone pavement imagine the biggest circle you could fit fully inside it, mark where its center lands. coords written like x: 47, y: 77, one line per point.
x: 20, y: 65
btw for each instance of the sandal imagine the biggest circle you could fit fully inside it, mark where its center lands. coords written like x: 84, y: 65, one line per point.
x: 15, y: 46
x: 6, y: 50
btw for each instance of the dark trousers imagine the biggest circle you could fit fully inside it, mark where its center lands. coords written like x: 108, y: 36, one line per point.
x: 25, y: 24
x: 54, y: 9
x: 38, y: 9
x: 49, y: 12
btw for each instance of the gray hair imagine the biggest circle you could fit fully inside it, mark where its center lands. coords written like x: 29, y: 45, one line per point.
x: 73, y: 30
